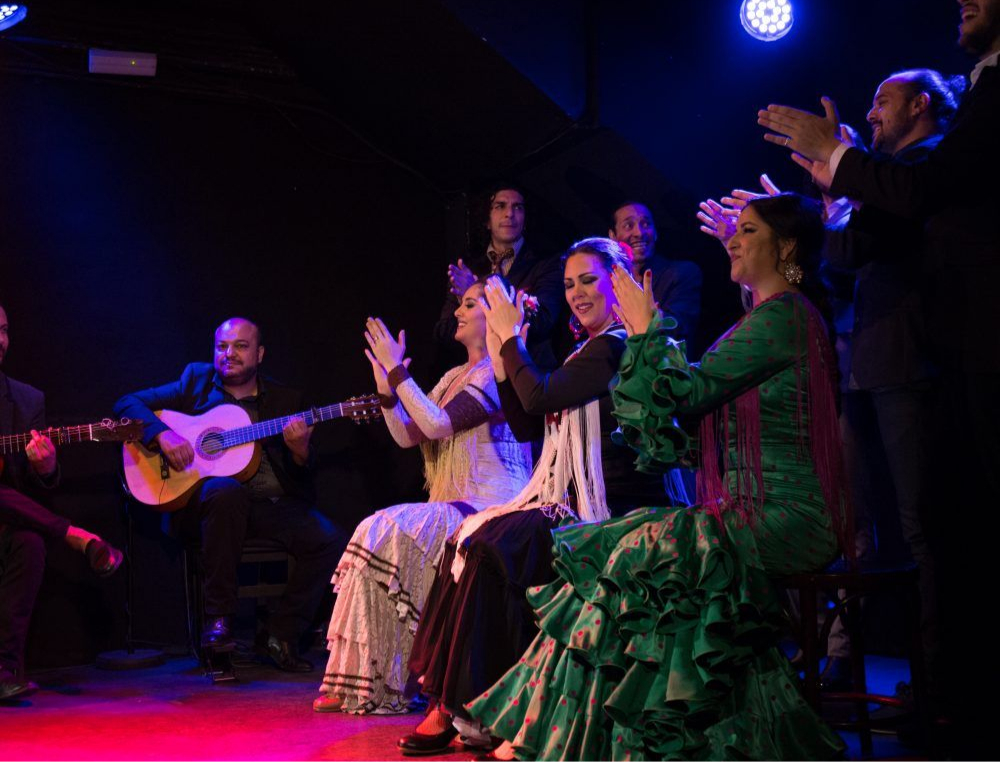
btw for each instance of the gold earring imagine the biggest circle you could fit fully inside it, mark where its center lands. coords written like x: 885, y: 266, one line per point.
x: 792, y: 273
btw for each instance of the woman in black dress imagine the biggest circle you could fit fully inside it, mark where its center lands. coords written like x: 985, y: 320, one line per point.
x: 477, y: 621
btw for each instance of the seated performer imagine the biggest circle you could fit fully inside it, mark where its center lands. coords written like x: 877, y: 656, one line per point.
x: 676, y: 283
x: 25, y: 525
x: 275, y: 504
x: 659, y: 637
x: 477, y: 621
x: 471, y: 461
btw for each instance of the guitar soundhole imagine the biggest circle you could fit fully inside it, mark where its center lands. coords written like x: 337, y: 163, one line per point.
x: 211, y: 444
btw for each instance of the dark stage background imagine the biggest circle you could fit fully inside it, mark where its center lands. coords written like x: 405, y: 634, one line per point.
x: 311, y: 163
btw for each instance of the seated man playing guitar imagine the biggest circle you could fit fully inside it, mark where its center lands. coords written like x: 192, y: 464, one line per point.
x: 29, y: 467
x: 275, y: 503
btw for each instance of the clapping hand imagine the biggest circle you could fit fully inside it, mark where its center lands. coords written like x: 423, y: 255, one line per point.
x: 821, y: 172
x: 503, y: 310
x: 387, y: 350
x: 460, y: 277
x: 380, y: 374
x: 737, y: 202
x: 812, y: 138
x: 493, y: 345
x: 809, y: 135
x: 636, y: 305
x: 715, y: 222
x: 719, y: 220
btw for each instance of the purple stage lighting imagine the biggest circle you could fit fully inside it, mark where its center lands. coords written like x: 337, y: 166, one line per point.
x: 11, y: 14
x: 767, y: 20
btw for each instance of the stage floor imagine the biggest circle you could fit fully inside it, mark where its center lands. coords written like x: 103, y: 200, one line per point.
x: 173, y: 712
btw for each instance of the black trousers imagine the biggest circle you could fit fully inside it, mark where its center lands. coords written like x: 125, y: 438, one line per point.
x: 24, y: 527
x: 887, y: 432
x: 223, y: 515
x: 966, y: 531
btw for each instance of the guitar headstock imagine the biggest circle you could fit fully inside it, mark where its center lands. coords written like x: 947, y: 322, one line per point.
x: 122, y: 430
x: 363, y: 409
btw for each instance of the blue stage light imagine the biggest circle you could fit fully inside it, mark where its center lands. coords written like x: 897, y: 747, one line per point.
x: 10, y: 15
x: 767, y: 20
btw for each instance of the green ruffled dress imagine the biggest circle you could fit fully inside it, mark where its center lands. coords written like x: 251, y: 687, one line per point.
x: 658, y: 639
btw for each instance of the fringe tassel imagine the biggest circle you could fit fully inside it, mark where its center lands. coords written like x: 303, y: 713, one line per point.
x: 711, y: 489
x: 750, y: 476
x: 815, y: 413
x: 824, y: 432
x: 571, y: 454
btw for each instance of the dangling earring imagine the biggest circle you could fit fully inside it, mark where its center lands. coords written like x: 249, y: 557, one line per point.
x: 577, y: 327
x: 791, y: 272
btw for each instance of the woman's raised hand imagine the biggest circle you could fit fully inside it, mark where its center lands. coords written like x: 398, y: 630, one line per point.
x: 381, y: 379
x: 636, y: 305
x: 493, y: 344
x: 503, y: 310
x: 719, y: 220
x: 387, y: 350
x: 735, y: 204
x: 715, y: 222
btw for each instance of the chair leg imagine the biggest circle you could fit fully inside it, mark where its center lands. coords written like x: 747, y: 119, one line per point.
x: 918, y: 672
x: 192, y: 601
x: 810, y: 645
x: 855, y: 626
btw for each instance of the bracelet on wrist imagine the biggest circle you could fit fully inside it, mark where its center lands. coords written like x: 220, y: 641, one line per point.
x: 397, y: 376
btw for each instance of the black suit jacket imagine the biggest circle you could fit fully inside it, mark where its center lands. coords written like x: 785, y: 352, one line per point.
x: 200, y: 389
x: 956, y: 193
x: 532, y: 273
x: 677, y: 289
x: 888, y: 339
x: 22, y: 408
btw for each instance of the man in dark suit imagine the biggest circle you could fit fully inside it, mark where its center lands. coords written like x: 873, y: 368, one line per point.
x: 676, y: 282
x: 25, y: 525
x: 276, y: 503
x: 890, y: 375
x: 954, y: 192
x: 526, y: 270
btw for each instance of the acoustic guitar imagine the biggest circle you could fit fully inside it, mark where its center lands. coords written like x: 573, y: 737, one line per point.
x: 123, y: 430
x: 225, y: 443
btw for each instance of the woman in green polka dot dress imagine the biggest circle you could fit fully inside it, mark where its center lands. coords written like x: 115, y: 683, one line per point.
x: 658, y: 639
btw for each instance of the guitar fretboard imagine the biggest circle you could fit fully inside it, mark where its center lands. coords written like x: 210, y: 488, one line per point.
x: 264, y: 429
x: 11, y: 443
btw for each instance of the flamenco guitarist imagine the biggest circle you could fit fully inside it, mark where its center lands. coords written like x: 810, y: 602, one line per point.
x: 275, y: 504
x: 26, y: 526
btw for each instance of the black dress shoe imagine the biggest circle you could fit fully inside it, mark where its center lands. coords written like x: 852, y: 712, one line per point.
x: 836, y: 675
x: 420, y: 744
x: 218, y: 635
x: 286, y: 656
x: 16, y: 689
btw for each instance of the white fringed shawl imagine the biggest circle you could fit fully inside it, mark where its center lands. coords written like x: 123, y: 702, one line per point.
x: 571, y: 452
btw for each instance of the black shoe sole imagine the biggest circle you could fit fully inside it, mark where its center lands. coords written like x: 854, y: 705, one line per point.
x: 423, y: 752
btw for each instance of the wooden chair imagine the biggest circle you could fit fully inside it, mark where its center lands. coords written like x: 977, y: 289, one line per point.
x: 846, y: 587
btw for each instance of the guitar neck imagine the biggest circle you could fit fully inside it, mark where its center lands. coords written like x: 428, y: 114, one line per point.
x: 11, y: 443
x: 265, y: 429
